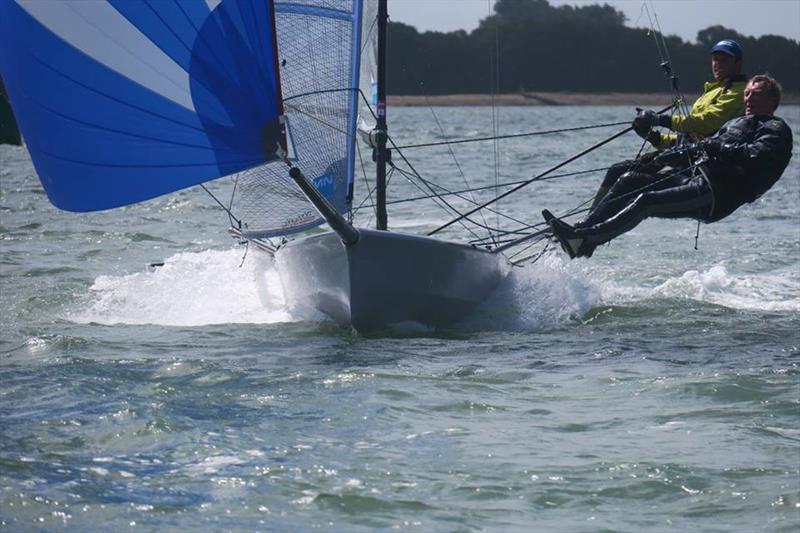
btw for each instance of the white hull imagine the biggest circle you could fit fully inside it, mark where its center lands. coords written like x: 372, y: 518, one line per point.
x: 387, y: 278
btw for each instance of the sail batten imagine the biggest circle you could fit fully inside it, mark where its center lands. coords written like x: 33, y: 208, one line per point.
x: 315, y: 11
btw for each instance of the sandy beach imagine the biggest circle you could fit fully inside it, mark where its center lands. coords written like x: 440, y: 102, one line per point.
x: 565, y: 98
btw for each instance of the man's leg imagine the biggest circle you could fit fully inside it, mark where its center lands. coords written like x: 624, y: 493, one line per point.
x: 690, y: 199
x: 612, y: 175
x: 623, y: 192
x: 645, y: 164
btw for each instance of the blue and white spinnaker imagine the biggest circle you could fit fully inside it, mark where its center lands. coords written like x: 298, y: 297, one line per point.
x: 122, y: 101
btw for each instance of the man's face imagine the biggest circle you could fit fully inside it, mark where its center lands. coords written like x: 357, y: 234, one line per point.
x: 724, y: 66
x: 758, y: 100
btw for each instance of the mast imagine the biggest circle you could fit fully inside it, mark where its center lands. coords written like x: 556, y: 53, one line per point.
x: 380, y: 150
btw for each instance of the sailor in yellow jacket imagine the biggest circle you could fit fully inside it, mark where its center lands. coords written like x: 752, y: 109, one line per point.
x: 722, y: 100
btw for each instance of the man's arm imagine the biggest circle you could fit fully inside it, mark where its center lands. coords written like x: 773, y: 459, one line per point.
x: 761, y: 161
x: 772, y: 141
x: 710, y: 117
x: 702, y: 121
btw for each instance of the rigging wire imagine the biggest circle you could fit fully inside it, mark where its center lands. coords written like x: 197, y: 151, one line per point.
x: 534, y: 178
x: 485, y: 187
x: 458, y: 194
x: 441, y: 202
x: 513, y: 135
x: 437, y: 197
x: 368, y: 188
x: 663, y: 54
x: 228, y: 211
x: 453, y: 155
x: 495, y: 87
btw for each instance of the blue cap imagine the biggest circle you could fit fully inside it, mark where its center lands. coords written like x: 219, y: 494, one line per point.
x: 730, y: 47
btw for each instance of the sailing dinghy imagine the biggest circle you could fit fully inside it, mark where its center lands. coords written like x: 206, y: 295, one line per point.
x: 120, y: 101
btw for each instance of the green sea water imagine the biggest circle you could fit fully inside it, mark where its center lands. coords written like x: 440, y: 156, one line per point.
x: 652, y: 387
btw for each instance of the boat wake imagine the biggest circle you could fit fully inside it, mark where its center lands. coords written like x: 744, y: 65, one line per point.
x: 772, y: 291
x: 191, y: 289
x: 540, y: 296
x: 209, y: 287
x: 554, y: 292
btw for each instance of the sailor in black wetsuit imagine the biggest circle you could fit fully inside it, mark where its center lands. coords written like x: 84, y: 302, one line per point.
x: 738, y: 164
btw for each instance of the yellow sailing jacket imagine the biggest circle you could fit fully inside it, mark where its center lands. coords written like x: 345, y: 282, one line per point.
x: 720, y: 102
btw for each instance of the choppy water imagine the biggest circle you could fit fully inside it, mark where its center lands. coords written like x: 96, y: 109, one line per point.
x: 652, y: 387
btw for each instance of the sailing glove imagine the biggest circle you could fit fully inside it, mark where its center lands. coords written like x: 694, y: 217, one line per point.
x: 649, y: 119
x: 640, y: 129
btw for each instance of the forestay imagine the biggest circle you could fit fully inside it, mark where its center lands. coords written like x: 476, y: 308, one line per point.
x: 122, y: 101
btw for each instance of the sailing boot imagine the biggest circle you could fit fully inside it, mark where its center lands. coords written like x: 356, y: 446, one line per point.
x: 572, y: 243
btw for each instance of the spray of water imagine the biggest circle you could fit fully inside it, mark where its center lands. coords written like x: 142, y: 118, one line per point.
x: 191, y: 289
x: 210, y: 287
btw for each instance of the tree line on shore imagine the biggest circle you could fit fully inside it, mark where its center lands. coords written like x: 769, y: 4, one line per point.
x: 531, y: 46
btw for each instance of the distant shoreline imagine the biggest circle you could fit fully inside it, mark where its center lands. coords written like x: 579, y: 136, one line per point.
x: 552, y: 99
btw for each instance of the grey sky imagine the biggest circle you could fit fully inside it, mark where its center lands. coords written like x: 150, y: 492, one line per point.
x: 676, y: 17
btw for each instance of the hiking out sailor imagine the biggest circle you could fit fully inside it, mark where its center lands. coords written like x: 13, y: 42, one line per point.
x: 735, y: 166
x: 722, y: 100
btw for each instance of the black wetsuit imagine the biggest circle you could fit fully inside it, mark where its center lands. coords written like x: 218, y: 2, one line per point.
x: 755, y: 150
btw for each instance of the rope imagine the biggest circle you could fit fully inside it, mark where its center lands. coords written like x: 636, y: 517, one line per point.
x: 511, y: 136
x: 663, y: 53
x: 535, y: 178
x: 494, y: 66
x: 230, y: 215
x: 484, y: 187
x: 455, y: 159
x: 416, y: 174
x: 445, y: 205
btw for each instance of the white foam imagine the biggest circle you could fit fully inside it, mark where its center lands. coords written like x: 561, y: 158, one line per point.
x: 209, y: 287
x: 771, y: 291
x: 191, y: 289
x: 545, y: 294
x: 555, y: 291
